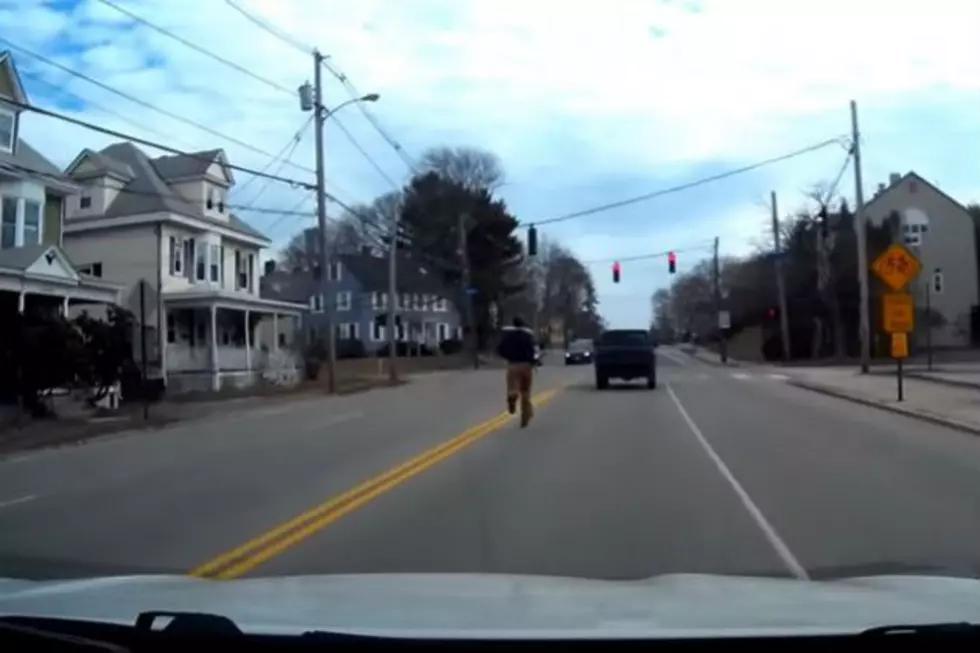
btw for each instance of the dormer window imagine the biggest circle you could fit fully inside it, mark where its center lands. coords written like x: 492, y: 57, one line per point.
x: 8, y: 130
x: 210, y: 203
x: 221, y: 202
x: 85, y: 202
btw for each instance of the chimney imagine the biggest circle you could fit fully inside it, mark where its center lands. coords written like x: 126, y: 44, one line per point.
x: 270, y: 267
x: 894, y: 178
x: 881, y: 189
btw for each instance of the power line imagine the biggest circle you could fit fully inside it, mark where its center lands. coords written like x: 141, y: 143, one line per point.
x: 289, y: 147
x: 691, y: 184
x: 363, y: 152
x: 199, y: 49
x: 292, y: 212
x: 279, y: 34
x: 159, y: 146
x: 145, y: 104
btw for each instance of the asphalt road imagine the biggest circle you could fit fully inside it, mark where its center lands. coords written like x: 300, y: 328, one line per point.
x: 718, y: 470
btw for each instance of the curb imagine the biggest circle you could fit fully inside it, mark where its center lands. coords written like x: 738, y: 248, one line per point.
x: 891, y: 408
x: 919, y: 376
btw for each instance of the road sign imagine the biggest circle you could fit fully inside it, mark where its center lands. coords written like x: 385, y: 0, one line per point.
x: 896, y: 266
x: 897, y: 312
x: 900, y: 345
x: 724, y: 320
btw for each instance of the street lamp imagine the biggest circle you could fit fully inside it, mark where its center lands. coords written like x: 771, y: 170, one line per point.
x: 312, y: 100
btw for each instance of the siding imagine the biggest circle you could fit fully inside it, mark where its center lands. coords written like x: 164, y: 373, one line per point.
x: 51, y: 231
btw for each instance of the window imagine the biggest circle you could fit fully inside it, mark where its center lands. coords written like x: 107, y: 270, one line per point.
x: 221, y: 259
x: 201, y: 263
x: 417, y: 302
x: 92, y: 270
x: 348, y: 331
x: 221, y: 202
x: 404, y: 301
x: 334, y: 271
x: 210, y: 202
x: 8, y: 222
x: 937, y: 282
x: 188, y: 257
x: 344, y: 300
x: 400, y: 332
x: 441, y: 305
x: 443, y: 331
x: 316, y: 303
x: 7, y: 130
x: 379, y: 300
x: 32, y: 223
x: 85, y: 202
x: 215, y: 262
x: 176, y: 257
x: 250, y: 277
x: 378, y: 332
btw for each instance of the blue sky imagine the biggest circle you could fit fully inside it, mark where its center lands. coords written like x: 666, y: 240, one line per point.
x: 586, y: 103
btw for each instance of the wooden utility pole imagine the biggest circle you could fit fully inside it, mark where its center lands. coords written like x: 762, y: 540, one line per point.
x: 780, y: 282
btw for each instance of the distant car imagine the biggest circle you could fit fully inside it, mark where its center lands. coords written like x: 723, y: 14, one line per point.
x: 625, y: 354
x: 579, y: 352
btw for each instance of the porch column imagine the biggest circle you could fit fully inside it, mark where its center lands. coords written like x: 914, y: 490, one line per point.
x: 21, y: 297
x: 248, y: 343
x: 215, y: 381
x: 275, y: 332
x: 64, y: 307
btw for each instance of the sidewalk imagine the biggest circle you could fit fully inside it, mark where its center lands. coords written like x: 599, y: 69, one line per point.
x: 708, y: 356
x: 938, y: 403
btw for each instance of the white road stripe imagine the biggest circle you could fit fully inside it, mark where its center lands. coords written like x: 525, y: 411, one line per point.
x: 13, y: 502
x: 767, y: 529
x: 741, y: 376
x: 778, y: 377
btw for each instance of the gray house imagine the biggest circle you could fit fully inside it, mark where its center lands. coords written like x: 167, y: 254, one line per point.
x: 940, y: 231
x: 359, y: 289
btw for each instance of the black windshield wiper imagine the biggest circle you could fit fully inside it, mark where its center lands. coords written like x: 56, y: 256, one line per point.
x: 956, y: 628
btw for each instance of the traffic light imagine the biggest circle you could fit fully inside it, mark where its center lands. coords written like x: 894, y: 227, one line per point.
x: 616, y: 272
x: 671, y: 262
x: 771, y: 313
x: 532, y: 241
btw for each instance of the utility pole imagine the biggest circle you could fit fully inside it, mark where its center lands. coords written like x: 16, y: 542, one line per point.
x: 780, y: 282
x: 320, y: 116
x: 862, y: 247
x: 467, y: 295
x: 722, y: 338
x: 392, y: 302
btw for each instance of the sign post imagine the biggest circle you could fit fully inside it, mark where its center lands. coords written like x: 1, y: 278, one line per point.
x: 896, y: 267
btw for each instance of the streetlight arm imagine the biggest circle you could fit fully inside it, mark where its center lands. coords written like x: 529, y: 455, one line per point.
x: 370, y: 97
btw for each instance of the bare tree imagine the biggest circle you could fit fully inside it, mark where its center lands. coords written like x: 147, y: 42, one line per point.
x: 471, y: 167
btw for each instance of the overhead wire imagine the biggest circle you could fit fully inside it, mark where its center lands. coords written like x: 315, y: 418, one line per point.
x: 284, y: 155
x: 158, y: 146
x: 688, y: 185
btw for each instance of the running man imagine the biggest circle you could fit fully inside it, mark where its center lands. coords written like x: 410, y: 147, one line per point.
x: 517, y: 348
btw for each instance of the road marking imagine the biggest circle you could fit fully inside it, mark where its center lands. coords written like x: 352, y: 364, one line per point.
x: 767, y: 529
x: 249, y: 555
x: 741, y: 376
x: 778, y: 377
x: 19, y: 500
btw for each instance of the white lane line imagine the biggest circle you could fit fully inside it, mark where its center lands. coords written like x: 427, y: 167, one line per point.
x: 13, y: 502
x: 741, y: 376
x: 778, y: 377
x: 767, y: 529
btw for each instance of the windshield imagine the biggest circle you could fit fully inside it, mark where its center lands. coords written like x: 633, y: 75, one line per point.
x: 670, y: 291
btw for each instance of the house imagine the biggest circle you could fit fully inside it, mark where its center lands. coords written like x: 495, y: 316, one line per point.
x: 162, y: 225
x: 940, y: 231
x: 35, y: 273
x: 359, y: 289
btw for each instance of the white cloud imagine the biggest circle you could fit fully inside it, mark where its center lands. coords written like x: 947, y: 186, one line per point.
x: 564, y: 93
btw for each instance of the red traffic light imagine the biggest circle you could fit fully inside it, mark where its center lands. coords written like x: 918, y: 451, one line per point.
x: 616, y: 266
x: 615, y: 270
x: 671, y: 257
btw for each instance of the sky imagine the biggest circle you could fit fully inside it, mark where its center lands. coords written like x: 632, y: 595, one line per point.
x: 585, y: 103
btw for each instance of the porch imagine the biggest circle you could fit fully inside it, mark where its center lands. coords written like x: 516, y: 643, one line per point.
x: 40, y: 278
x: 217, y: 340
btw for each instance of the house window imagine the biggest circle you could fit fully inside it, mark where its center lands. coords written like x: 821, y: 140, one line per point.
x: 32, y: 223
x: 210, y: 202
x: 85, y: 202
x: 221, y: 202
x: 441, y: 305
x: 7, y: 130
x: 176, y: 257
x: 221, y: 260
x: 316, y: 303
x: 378, y: 332
x: 334, y: 271
x: 201, y: 263
x: 8, y: 222
x: 404, y: 300
x: 92, y: 270
x: 348, y: 331
x: 443, y: 331
x: 400, y: 331
x: 417, y: 302
x: 344, y: 301
x: 188, y: 257
x: 379, y: 299
x: 937, y: 282
x: 215, y: 263
x: 249, y: 276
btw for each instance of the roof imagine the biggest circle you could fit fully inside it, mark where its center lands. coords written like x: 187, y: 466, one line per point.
x: 286, y: 286
x: 147, y: 192
x: 372, y: 272
x: 101, y: 165
x: 179, y: 166
x: 21, y: 258
x: 7, y: 61
x: 28, y: 159
x: 919, y: 179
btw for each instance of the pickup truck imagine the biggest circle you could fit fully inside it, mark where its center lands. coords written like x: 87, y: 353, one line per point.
x: 625, y: 354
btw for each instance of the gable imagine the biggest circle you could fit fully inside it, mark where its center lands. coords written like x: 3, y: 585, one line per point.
x: 10, y: 84
x: 52, y: 263
x: 915, y: 194
x: 219, y: 170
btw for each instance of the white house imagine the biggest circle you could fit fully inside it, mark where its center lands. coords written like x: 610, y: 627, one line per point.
x: 35, y: 274
x: 163, y: 224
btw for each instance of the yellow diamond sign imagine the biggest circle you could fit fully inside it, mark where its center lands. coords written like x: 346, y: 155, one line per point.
x: 896, y: 266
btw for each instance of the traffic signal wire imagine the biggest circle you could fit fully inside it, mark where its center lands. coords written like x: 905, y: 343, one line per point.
x: 689, y: 185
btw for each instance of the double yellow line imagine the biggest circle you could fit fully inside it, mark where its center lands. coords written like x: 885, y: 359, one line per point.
x: 244, y: 558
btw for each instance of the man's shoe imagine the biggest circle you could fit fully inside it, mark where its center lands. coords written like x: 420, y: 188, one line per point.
x: 511, y: 405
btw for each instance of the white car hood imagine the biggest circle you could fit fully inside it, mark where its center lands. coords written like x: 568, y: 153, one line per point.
x: 474, y: 605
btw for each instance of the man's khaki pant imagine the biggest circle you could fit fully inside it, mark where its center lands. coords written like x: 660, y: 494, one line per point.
x: 519, y: 376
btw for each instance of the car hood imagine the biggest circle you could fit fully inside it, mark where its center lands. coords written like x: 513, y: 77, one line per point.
x: 473, y: 605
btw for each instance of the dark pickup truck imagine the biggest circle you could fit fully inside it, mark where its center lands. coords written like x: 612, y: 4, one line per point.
x: 625, y: 354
